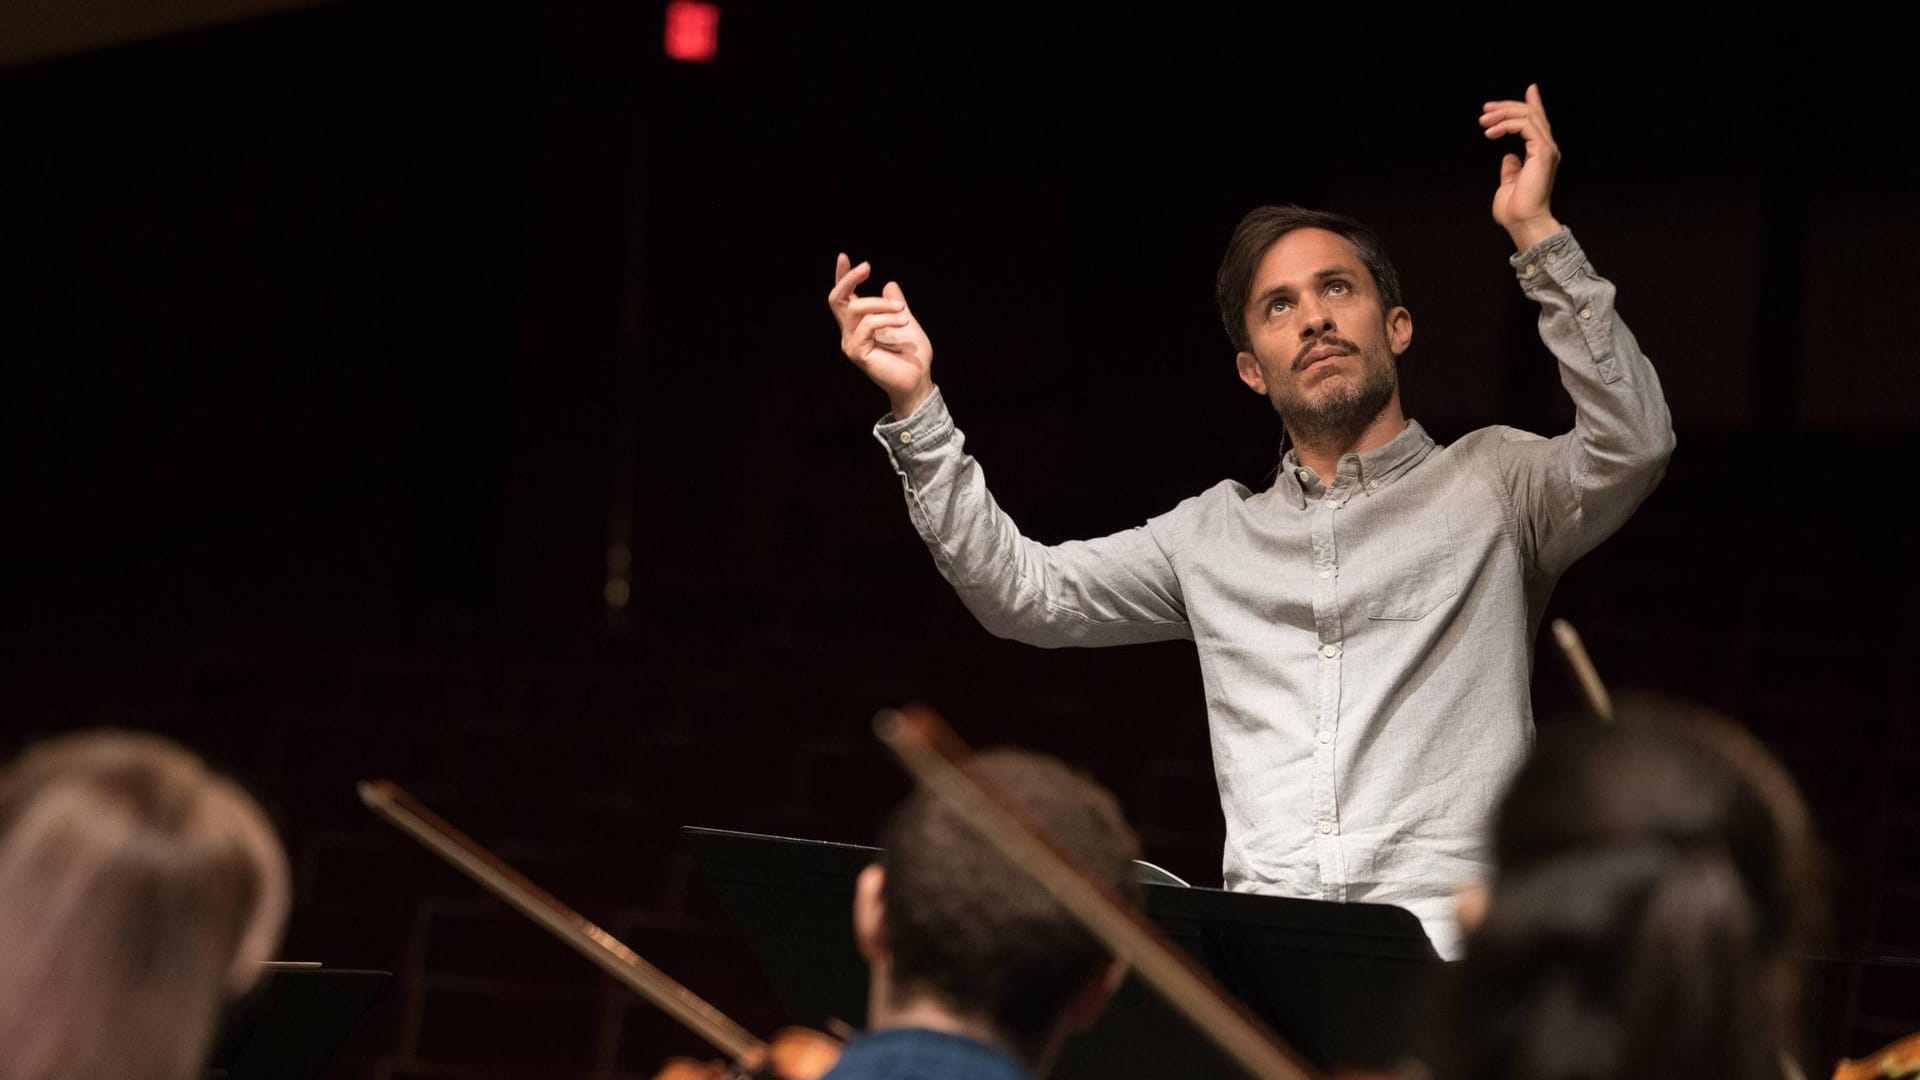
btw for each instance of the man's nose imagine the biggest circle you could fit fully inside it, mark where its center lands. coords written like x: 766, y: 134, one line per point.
x: 1316, y: 318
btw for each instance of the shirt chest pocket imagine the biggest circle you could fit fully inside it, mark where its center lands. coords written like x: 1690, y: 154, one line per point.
x: 1410, y: 572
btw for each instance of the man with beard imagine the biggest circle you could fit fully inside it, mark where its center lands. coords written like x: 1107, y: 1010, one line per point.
x: 1365, y: 624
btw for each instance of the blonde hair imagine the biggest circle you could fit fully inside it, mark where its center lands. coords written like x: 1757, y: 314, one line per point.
x: 138, y: 892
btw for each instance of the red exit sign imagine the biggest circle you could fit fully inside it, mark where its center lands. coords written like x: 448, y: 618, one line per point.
x: 693, y: 31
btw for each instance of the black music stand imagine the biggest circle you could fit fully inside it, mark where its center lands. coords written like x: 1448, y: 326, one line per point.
x: 290, y: 1026
x: 1343, y: 983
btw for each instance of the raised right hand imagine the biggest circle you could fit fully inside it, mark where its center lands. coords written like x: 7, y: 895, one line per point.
x: 1523, y: 203
x: 882, y: 338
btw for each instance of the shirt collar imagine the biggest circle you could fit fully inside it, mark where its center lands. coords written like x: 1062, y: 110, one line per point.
x: 1370, y: 471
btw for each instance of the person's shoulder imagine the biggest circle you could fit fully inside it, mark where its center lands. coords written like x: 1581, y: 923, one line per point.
x: 1226, y: 494
x: 923, y: 1052
x: 1175, y: 528
x: 1490, y: 441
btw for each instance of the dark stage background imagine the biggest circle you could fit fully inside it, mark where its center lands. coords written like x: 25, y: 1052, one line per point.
x: 355, y: 358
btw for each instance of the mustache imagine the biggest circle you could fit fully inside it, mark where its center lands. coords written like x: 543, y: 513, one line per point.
x: 1300, y: 358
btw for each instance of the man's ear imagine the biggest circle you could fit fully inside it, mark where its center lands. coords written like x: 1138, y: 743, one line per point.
x: 1088, y: 1002
x: 1399, y: 330
x: 869, y: 913
x: 1250, y: 372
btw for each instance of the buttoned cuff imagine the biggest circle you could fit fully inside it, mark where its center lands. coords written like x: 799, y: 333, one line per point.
x: 924, y: 431
x: 1555, y: 274
x: 1557, y: 259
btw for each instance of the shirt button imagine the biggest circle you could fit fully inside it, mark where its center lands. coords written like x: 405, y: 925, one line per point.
x: 1329, y: 651
x: 1586, y: 313
x: 1325, y: 737
x: 906, y: 438
x: 1326, y: 828
x: 1530, y: 270
x: 1300, y: 475
x: 1325, y: 574
x: 1373, y: 485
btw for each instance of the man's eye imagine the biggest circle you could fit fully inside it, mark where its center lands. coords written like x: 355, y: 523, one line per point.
x: 1278, y: 307
x: 1339, y: 288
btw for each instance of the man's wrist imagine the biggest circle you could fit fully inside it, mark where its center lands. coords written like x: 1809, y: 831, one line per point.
x: 1525, y: 234
x: 904, y: 407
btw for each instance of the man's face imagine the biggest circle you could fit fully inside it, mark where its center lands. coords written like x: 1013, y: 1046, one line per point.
x: 1323, y: 350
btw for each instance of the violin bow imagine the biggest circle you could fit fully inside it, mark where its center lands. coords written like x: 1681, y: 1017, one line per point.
x: 390, y: 801
x: 1584, y: 673
x: 935, y: 756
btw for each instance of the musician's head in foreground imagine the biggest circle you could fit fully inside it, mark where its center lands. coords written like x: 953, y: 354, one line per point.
x: 961, y: 941
x: 1655, y: 885
x: 139, y: 892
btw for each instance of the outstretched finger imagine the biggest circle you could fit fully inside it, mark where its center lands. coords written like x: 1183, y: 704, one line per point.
x: 847, y: 279
x: 1495, y: 111
x: 1504, y: 127
x: 1539, y: 107
x: 1527, y: 127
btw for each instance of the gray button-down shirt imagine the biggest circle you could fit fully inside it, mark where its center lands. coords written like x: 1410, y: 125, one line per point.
x: 1365, y: 639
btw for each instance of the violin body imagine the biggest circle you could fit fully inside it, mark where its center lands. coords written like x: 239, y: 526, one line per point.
x: 795, y: 1053
x: 686, y: 1068
x: 1895, y: 1061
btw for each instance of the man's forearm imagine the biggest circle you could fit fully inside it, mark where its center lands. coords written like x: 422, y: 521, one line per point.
x: 1109, y: 591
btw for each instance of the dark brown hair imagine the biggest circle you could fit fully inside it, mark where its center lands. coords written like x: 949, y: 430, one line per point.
x: 1260, y: 230
x: 975, y: 931
x: 1655, y: 888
